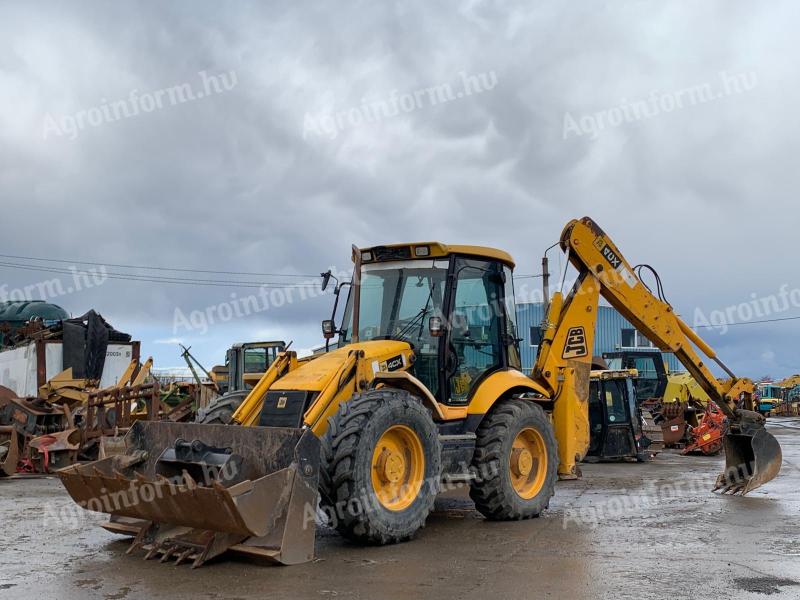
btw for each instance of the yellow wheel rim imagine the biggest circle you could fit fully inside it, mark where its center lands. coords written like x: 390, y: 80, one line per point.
x: 398, y: 467
x: 528, y: 463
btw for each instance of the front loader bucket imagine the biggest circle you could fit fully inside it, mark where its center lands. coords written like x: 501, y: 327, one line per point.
x: 191, y: 491
x: 752, y: 456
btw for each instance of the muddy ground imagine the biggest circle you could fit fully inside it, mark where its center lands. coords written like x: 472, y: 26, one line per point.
x: 623, y: 531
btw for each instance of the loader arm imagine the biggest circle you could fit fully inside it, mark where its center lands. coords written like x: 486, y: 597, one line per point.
x: 249, y: 410
x: 753, y: 455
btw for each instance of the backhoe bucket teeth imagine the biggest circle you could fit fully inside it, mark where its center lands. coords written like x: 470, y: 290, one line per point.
x: 752, y: 456
x: 190, y: 491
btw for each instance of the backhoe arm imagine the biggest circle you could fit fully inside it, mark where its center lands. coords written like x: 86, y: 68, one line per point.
x: 753, y: 455
x: 590, y: 250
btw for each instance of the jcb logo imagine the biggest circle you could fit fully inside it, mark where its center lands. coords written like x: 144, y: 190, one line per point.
x: 576, y: 343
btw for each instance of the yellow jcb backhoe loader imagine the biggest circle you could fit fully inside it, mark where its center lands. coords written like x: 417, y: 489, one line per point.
x: 424, y: 383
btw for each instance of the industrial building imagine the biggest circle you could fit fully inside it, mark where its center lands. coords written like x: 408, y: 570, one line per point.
x: 613, y: 332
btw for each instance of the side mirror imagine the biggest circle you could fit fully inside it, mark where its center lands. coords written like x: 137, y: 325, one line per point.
x: 436, y: 326
x: 328, y: 329
x: 326, y: 277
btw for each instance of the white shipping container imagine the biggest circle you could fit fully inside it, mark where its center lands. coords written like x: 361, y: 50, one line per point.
x: 18, y: 366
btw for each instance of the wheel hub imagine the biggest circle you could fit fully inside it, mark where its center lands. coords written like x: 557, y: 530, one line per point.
x: 391, y: 466
x: 398, y: 467
x: 528, y: 463
x: 521, y: 462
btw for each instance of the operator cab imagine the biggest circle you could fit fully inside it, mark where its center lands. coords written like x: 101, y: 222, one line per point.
x: 453, y: 304
x: 652, y: 380
x: 615, y: 418
x: 770, y: 396
x: 247, y: 362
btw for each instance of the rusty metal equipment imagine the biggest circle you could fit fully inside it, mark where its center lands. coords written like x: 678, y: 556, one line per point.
x: 109, y: 413
x: 50, y: 436
x: 674, y: 424
x: 65, y: 389
x: 22, y: 420
x: 72, y: 420
x: 9, y: 450
x: 112, y: 408
x: 52, y: 451
x: 707, y: 437
x: 183, y: 496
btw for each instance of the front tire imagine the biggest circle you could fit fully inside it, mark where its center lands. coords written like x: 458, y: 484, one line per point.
x: 384, y: 467
x: 515, y: 462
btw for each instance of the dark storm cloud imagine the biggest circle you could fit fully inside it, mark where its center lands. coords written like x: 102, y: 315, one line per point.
x: 232, y: 181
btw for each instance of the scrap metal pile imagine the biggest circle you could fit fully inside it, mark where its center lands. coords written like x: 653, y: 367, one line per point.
x: 74, y: 421
x: 67, y: 422
x: 72, y: 416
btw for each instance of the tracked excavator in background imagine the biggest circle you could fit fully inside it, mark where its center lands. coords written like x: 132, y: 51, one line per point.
x: 424, y: 383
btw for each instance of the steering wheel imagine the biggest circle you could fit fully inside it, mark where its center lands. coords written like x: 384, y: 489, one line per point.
x: 450, y: 360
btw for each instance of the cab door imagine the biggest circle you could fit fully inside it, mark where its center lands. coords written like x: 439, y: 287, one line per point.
x: 474, y: 345
x: 597, y: 418
x: 618, y: 438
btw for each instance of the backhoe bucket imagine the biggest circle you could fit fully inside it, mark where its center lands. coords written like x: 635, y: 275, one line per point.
x: 191, y: 491
x: 752, y: 456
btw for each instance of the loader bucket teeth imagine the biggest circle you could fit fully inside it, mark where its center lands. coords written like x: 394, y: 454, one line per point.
x: 183, y: 556
x: 752, y: 456
x: 192, y: 491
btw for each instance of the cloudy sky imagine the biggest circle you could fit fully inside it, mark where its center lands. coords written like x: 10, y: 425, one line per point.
x: 269, y: 137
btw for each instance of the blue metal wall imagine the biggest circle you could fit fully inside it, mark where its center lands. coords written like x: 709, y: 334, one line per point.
x: 608, y: 333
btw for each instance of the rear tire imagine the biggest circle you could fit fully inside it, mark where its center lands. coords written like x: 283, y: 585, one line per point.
x: 384, y: 467
x: 510, y: 484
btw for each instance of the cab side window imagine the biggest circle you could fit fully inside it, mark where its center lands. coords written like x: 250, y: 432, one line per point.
x: 475, y: 325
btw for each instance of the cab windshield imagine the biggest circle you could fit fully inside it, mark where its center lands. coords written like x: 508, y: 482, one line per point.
x: 397, y: 299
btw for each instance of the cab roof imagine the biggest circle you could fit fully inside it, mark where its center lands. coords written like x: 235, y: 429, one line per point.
x: 614, y: 374
x: 423, y: 250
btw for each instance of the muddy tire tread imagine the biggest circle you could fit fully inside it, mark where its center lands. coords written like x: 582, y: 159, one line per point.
x: 491, y: 492
x: 345, y: 430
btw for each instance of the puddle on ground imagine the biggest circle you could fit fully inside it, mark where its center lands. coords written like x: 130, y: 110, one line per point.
x: 763, y: 585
